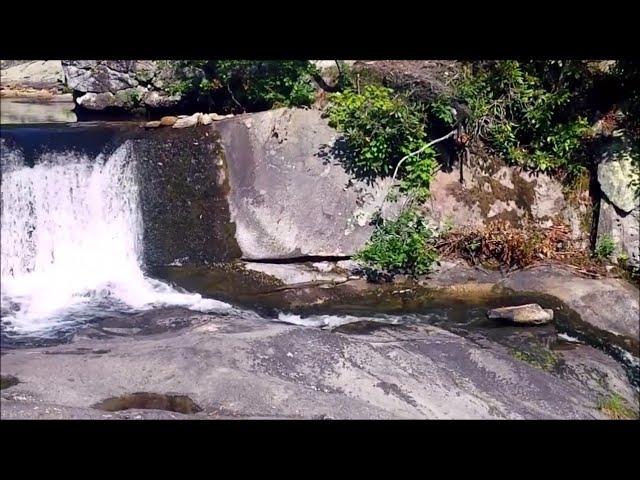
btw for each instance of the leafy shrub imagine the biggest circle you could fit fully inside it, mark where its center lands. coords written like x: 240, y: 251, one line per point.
x: 521, y: 109
x: 245, y: 85
x: 605, y: 247
x: 404, y: 245
x: 380, y: 129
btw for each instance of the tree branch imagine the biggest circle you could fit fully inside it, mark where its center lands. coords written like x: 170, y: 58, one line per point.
x: 420, y: 150
x: 412, y: 154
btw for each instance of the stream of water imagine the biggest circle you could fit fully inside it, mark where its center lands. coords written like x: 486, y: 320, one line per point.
x: 72, y: 243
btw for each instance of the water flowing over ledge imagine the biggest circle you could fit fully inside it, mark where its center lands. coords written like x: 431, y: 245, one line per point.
x: 72, y: 242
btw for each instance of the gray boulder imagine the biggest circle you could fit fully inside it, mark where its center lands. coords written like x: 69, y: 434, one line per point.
x: 289, y: 194
x: 39, y: 74
x: 624, y: 229
x: 620, y: 206
x: 614, y: 177
x: 126, y: 84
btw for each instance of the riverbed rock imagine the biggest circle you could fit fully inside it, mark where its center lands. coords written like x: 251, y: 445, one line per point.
x: 205, y: 119
x: 530, y: 314
x: 242, y: 366
x: 217, y: 116
x: 609, y: 307
x: 153, y: 124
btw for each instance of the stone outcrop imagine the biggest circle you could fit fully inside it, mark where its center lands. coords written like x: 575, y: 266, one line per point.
x: 33, y: 74
x: 289, y: 195
x: 500, y: 192
x: 619, y: 215
x: 99, y: 85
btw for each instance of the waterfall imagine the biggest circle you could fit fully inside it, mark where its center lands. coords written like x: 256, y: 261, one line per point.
x: 72, y: 242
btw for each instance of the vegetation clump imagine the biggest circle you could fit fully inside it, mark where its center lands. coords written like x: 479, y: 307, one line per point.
x: 245, y: 85
x: 605, y: 247
x: 524, y: 111
x: 615, y: 407
x: 402, y: 246
x: 539, y: 357
x: 381, y: 130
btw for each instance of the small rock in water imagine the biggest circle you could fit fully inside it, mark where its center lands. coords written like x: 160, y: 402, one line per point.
x: 168, y: 121
x: 154, y: 124
x: 529, y: 314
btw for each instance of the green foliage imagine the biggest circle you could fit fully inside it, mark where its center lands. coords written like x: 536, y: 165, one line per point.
x: 538, y: 356
x: 380, y: 129
x: 404, y: 245
x: 605, y: 247
x: 268, y: 83
x: 522, y: 110
x: 615, y: 407
x: 441, y: 109
x: 245, y: 85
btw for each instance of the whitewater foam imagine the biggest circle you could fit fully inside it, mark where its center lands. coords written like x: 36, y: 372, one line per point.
x: 72, y: 242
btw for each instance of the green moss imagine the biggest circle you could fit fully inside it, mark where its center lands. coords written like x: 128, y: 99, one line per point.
x: 7, y: 381
x: 538, y: 356
x: 615, y: 407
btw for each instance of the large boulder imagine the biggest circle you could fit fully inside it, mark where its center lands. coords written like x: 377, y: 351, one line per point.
x: 614, y: 176
x: 623, y: 228
x: 620, y: 206
x: 99, y: 85
x: 37, y: 74
x: 289, y: 194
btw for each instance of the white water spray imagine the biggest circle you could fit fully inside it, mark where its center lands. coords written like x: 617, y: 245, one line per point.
x: 72, y: 242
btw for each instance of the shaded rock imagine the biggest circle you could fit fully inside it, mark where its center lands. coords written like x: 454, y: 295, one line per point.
x: 98, y: 101
x: 614, y: 177
x: 187, y: 122
x: 624, y: 229
x: 530, y: 314
x: 168, y: 121
x: 153, y: 124
x: 158, y: 100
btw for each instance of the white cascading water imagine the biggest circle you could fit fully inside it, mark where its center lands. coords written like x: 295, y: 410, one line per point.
x: 72, y: 243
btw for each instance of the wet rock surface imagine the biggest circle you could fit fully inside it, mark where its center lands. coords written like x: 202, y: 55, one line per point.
x: 241, y: 367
